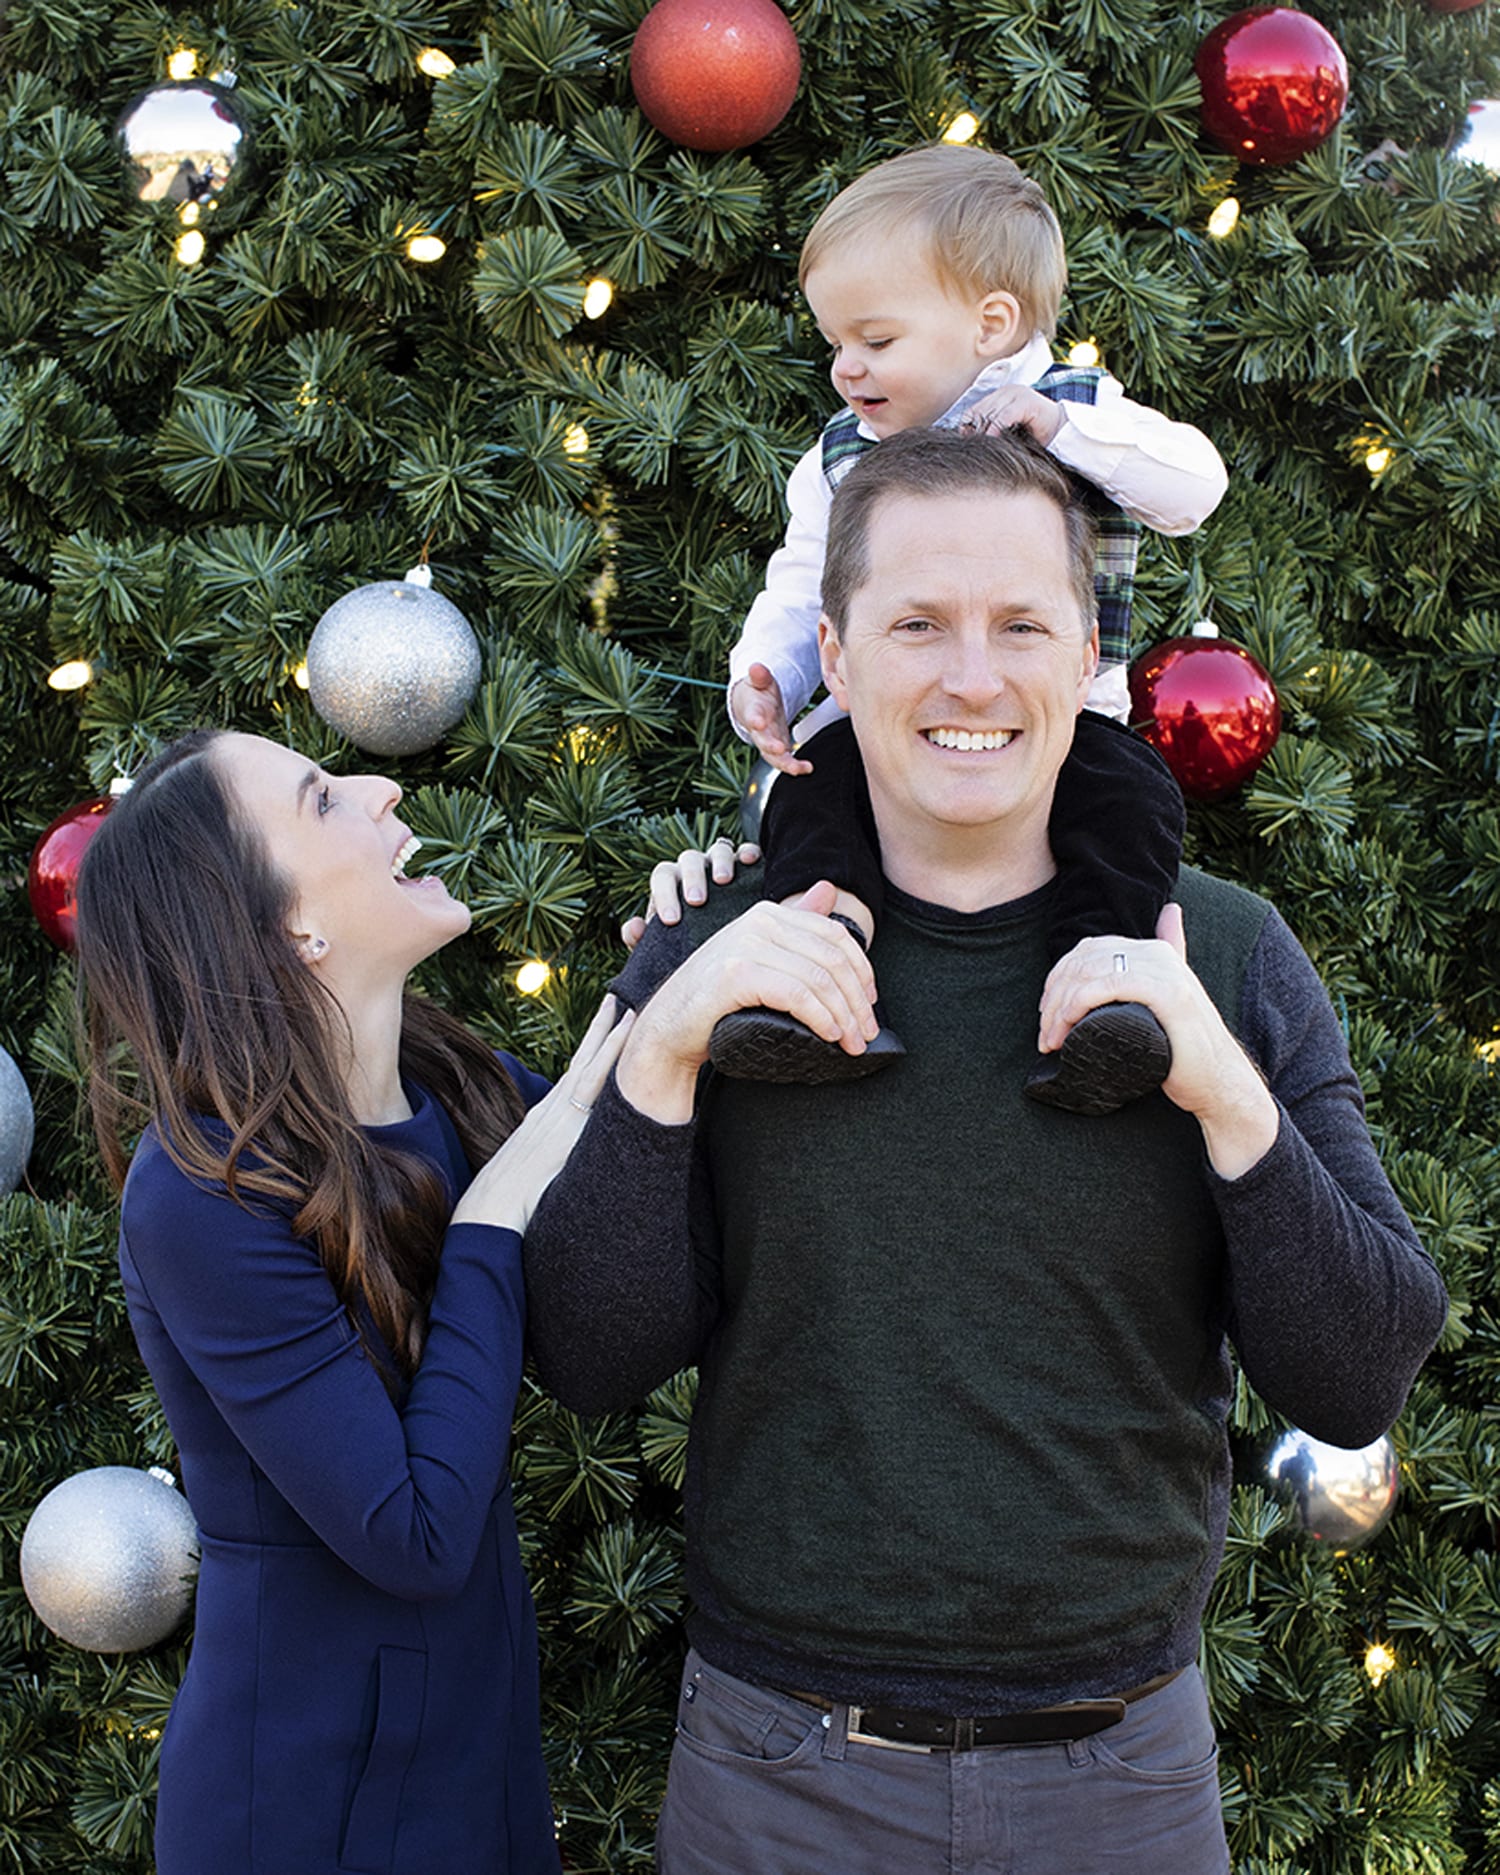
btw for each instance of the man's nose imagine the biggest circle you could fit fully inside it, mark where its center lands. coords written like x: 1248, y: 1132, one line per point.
x: 974, y: 669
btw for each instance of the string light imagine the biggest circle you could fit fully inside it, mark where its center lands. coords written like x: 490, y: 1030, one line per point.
x: 533, y: 977
x: 1379, y: 1661
x: 299, y: 675
x: 1489, y: 1052
x: 435, y: 62
x: 597, y: 296
x: 1225, y: 218
x: 1085, y: 352
x: 963, y: 129
x: 183, y: 64
x: 190, y: 247
x: 188, y: 214
x: 426, y: 248
x: 586, y: 744
x: 1379, y: 459
x: 71, y: 676
x: 575, y: 440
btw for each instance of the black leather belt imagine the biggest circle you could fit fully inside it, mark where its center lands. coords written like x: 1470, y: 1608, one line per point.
x: 935, y: 1731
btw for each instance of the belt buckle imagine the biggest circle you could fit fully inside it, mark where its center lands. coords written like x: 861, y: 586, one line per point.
x: 857, y: 1737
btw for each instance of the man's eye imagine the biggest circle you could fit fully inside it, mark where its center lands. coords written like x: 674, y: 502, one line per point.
x: 913, y: 625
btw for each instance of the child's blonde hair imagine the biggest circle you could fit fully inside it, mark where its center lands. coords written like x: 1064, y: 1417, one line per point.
x: 986, y: 225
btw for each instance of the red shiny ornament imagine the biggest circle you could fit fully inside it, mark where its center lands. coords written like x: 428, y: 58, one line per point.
x: 1208, y: 709
x: 1274, y: 84
x: 52, y: 877
x: 715, y: 74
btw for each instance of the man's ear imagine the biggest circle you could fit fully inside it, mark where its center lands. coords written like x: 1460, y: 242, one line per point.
x: 831, y: 657
x: 1001, y: 324
x: 1090, y: 666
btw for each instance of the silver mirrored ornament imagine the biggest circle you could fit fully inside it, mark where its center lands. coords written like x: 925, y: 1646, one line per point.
x: 109, y: 1559
x: 1478, y: 139
x: 1342, y: 1498
x: 182, y: 142
x: 17, y: 1124
x: 753, y: 800
x: 392, y: 666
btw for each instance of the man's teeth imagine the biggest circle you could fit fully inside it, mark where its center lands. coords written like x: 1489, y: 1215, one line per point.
x: 408, y: 849
x: 970, y: 738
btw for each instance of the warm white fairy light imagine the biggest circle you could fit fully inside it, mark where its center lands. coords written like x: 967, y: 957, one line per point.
x: 597, y: 296
x: 1225, y: 218
x: 435, y: 62
x: 183, y: 64
x: 426, y: 248
x: 71, y: 676
x: 575, y: 440
x: 963, y: 129
x: 1379, y: 1661
x: 190, y: 247
x: 1085, y: 352
x: 533, y: 976
x: 1379, y: 459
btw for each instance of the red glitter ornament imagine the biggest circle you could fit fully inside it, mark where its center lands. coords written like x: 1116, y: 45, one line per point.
x: 1274, y: 84
x: 1208, y: 709
x: 52, y: 877
x: 715, y: 74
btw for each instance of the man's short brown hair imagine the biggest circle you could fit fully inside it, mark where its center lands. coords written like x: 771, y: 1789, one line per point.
x: 924, y: 463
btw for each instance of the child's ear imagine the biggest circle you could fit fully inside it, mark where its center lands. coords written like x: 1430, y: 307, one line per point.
x: 1001, y: 325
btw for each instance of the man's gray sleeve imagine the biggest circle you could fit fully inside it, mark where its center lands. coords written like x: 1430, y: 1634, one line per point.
x: 1333, y: 1302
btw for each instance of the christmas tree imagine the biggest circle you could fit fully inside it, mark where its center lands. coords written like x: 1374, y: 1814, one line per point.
x: 474, y: 307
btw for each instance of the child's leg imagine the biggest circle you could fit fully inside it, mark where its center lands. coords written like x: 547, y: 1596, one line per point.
x: 817, y: 826
x: 1116, y: 833
x: 820, y: 826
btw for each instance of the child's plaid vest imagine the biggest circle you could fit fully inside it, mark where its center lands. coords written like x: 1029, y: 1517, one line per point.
x: 1119, y: 536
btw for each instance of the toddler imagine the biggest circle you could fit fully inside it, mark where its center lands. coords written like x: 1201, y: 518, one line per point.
x: 936, y: 277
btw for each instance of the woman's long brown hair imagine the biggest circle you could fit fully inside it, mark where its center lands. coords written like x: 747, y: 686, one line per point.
x: 187, y: 958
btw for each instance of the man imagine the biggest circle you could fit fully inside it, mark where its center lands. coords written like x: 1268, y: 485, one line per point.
x: 958, y: 1475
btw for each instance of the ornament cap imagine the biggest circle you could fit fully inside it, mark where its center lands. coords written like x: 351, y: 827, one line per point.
x: 420, y: 575
x: 1205, y: 628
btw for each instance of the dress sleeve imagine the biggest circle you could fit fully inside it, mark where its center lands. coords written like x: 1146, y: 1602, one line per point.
x: 1166, y: 474
x: 1334, y: 1303
x: 781, y: 627
x: 621, y: 1268
x: 401, y: 1492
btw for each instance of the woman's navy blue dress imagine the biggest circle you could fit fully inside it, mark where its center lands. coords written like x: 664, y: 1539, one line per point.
x: 362, y: 1690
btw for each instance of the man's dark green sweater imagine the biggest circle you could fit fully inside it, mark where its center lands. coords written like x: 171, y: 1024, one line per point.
x: 959, y: 1441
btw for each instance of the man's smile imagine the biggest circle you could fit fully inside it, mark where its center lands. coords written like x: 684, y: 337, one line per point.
x: 969, y: 738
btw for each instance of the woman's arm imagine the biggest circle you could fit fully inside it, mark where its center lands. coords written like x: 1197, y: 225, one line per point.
x: 400, y: 1492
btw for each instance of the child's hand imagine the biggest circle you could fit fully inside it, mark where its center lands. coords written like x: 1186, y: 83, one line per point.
x: 1016, y: 406
x: 755, y: 704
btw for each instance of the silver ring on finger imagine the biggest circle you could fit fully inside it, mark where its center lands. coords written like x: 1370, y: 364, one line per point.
x: 1122, y: 963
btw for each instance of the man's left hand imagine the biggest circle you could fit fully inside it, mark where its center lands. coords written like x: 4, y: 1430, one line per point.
x: 1212, y: 1077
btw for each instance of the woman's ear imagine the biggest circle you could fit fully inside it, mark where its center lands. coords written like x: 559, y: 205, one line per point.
x: 312, y: 950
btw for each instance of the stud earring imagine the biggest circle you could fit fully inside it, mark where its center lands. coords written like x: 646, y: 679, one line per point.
x: 318, y: 946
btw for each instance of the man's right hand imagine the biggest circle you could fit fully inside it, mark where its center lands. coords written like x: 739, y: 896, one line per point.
x: 791, y: 957
x: 755, y: 703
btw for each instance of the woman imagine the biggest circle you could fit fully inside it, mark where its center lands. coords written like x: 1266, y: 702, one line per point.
x: 328, y: 1297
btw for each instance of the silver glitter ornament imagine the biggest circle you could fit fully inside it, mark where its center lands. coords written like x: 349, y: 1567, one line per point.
x: 183, y: 142
x: 393, y: 666
x: 17, y: 1124
x: 1343, y: 1498
x: 109, y: 1559
x: 753, y: 800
